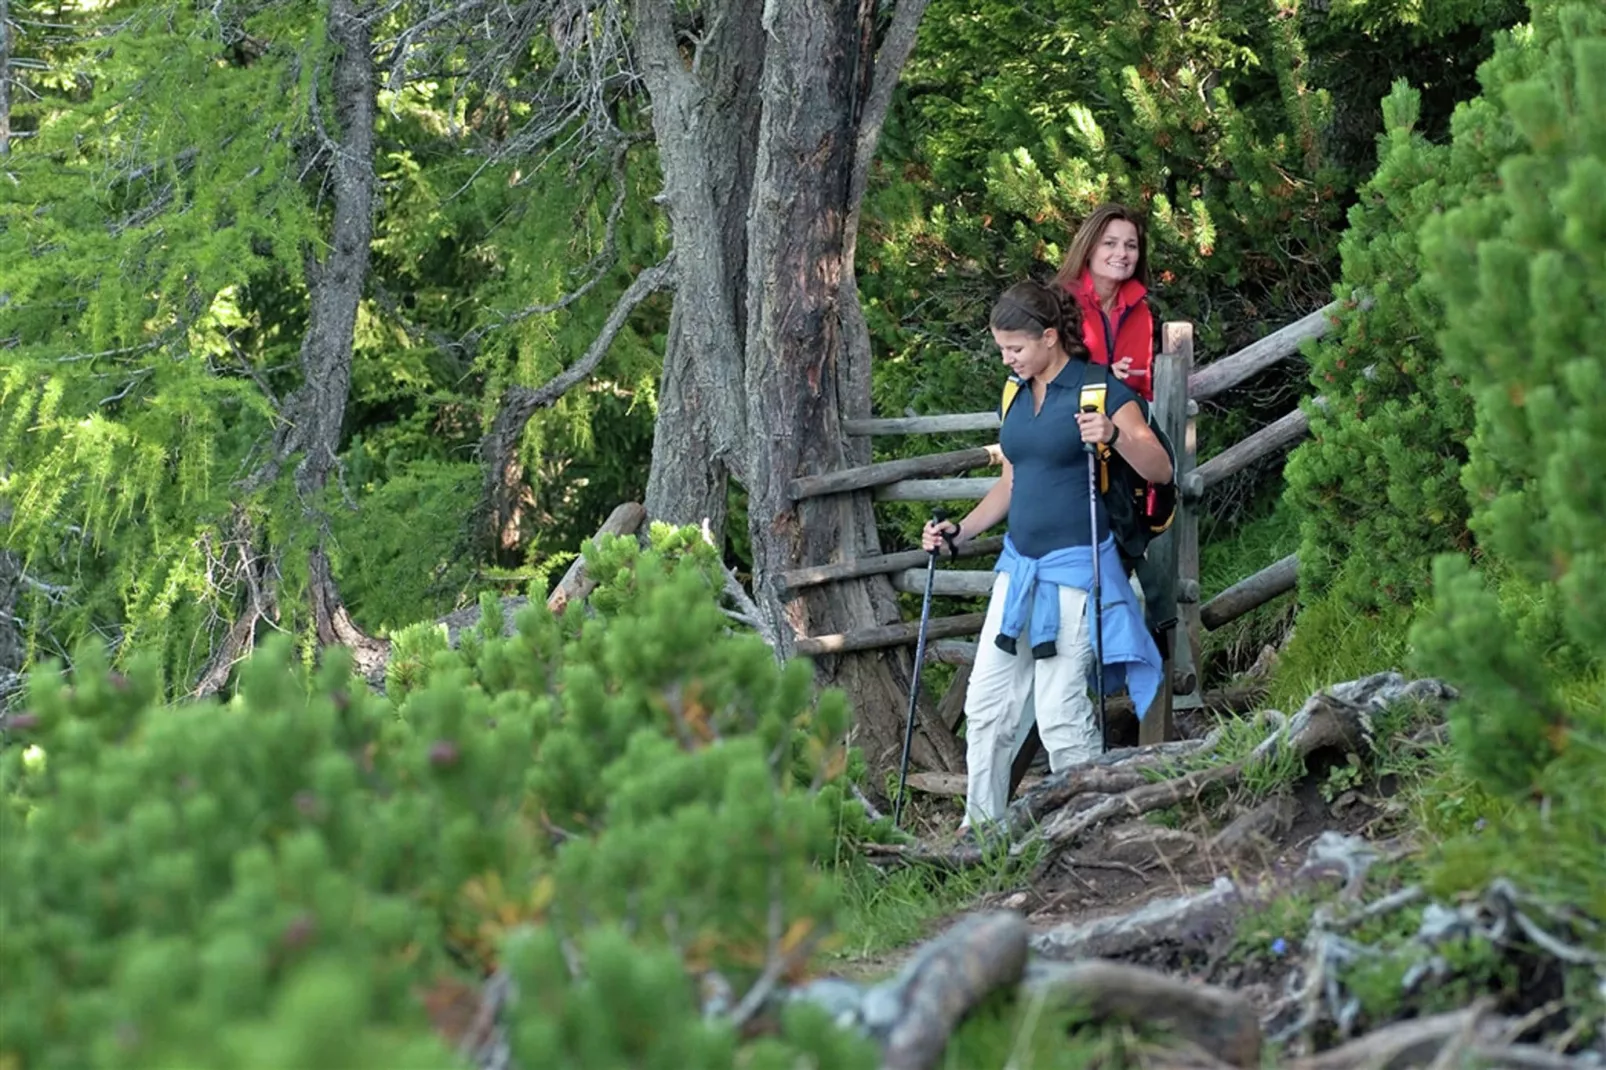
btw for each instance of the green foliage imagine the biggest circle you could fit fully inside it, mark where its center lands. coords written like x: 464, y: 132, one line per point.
x: 1377, y: 484
x: 310, y: 875
x: 154, y: 238
x: 1521, y: 268
x: 1331, y: 642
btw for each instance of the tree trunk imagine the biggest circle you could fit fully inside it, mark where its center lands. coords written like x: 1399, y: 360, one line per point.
x: 317, y: 410
x: 764, y: 137
x: 705, y: 118
x: 5, y: 78
x: 808, y: 359
x: 314, y: 415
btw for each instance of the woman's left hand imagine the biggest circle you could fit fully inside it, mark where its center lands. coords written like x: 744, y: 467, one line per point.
x: 1122, y: 368
x: 1095, y: 426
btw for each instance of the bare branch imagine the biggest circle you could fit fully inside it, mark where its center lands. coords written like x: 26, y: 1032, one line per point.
x: 522, y: 402
x: 890, y: 58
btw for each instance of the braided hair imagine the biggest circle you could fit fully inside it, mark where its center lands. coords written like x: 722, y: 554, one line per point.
x: 1033, y: 308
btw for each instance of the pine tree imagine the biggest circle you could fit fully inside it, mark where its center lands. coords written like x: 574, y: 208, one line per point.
x: 607, y: 806
x: 1377, y: 485
x: 1521, y: 271
x: 160, y: 384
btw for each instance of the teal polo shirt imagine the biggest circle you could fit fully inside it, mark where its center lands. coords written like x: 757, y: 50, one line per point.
x: 1048, y: 508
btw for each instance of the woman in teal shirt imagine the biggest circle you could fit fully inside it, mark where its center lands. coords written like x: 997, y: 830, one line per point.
x: 1045, y: 571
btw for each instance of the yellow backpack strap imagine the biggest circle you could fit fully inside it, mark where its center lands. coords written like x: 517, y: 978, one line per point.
x: 1012, y: 387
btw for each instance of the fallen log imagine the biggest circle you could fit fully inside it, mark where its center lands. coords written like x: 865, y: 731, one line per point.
x: 884, y: 472
x: 913, y: 1015
x: 1221, y: 1022
x: 625, y: 519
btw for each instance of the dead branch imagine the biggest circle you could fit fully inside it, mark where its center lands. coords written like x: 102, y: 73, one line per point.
x: 520, y: 403
x: 626, y: 519
x: 889, y: 61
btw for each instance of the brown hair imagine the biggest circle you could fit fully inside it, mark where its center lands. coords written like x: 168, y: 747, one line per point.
x: 1034, y: 308
x: 1088, y: 235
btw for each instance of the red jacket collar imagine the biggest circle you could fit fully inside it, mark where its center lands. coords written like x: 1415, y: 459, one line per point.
x: 1131, y: 292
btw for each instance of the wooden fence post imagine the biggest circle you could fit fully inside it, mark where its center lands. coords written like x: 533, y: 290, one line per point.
x: 1186, y: 651
x: 1160, y: 572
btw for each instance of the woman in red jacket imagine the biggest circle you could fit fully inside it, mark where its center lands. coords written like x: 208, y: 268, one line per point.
x: 1107, y: 271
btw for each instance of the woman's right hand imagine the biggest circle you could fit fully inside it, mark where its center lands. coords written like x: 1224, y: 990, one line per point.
x: 932, y: 537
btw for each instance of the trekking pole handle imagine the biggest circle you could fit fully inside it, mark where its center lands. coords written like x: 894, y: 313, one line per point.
x: 938, y: 516
x: 1090, y: 447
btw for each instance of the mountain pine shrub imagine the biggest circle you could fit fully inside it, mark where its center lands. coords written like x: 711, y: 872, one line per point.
x: 1377, y: 484
x: 608, y: 805
x: 1521, y: 271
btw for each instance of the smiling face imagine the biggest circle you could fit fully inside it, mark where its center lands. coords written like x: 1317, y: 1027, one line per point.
x: 1115, y: 254
x: 1028, y: 356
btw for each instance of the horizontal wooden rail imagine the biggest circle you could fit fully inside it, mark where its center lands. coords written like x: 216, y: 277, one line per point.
x: 1222, y: 375
x: 884, y: 472
x: 955, y: 583
x: 923, y: 425
x: 814, y: 575
x: 1250, y: 593
x: 952, y: 651
x: 936, y: 490
x: 885, y: 635
x: 1273, y: 438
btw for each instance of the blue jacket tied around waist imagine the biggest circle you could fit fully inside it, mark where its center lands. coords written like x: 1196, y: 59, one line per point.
x: 1128, y: 649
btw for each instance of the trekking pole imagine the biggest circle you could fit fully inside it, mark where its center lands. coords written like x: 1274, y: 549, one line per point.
x: 1096, y: 610
x: 937, y: 517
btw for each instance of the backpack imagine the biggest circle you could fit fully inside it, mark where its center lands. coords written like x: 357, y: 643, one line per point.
x: 1138, y: 509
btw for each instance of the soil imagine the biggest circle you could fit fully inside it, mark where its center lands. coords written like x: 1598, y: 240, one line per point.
x: 1118, y: 869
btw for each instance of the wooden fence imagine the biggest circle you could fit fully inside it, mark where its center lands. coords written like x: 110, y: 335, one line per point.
x: 943, y: 477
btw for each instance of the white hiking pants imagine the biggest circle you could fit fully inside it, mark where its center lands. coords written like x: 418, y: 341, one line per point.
x: 1000, y: 687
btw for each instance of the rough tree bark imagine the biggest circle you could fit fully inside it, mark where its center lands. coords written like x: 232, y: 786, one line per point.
x: 760, y: 393
x: 705, y: 117
x: 313, y: 416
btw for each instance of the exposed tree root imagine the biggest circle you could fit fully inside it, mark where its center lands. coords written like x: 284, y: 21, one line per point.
x: 1216, y: 1020
x: 1056, y: 814
x: 913, y: 1015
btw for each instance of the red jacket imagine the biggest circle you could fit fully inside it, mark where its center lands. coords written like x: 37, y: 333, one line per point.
x: 1128, y: 331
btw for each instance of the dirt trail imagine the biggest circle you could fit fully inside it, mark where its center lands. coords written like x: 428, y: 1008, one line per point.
x: 1158, y: 883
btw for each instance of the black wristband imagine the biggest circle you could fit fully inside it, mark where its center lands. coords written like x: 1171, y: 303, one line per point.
x: 1115, y: 433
